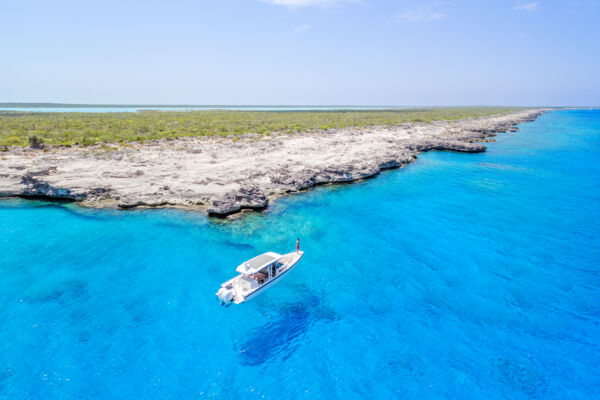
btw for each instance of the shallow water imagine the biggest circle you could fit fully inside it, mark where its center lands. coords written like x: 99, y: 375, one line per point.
x: 460, y: 276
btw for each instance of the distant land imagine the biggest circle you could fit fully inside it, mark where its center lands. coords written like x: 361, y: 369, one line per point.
x: 283, y: 106
x: 73, y: 105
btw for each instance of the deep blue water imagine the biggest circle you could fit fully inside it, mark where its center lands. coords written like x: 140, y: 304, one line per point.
x: 463, y: 276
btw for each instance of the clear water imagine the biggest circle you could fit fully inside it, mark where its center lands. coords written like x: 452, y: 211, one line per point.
x: 461, y: 276
x: 199, y: 108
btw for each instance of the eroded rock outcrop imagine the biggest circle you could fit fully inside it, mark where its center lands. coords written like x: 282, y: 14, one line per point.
x: 33, y: 187
x: 251, y: 198
x: 224, y: 176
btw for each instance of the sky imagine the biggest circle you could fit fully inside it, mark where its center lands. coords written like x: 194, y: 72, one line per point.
x: 301, y: 52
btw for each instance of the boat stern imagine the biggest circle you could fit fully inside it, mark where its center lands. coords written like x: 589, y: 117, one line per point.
x: 226, y: 296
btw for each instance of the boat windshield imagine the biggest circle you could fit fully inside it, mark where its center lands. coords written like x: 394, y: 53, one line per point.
x: 257, y: 263
x: 267, y: 272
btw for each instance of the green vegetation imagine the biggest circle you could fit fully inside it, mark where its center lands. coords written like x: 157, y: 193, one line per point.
x: 35, y: 142
x: 66, y: 129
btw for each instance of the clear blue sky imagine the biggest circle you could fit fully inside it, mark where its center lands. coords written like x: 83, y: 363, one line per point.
x: 360, y: 52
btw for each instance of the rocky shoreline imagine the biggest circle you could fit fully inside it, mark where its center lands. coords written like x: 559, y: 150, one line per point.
x: 223, y: 176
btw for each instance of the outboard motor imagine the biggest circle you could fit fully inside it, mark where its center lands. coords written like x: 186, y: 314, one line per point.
x: 226, y: 296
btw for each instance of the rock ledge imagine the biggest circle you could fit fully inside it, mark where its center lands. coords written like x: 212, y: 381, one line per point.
x: 224, y: 176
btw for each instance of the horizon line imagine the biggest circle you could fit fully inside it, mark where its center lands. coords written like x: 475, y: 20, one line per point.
x: 134, y: 105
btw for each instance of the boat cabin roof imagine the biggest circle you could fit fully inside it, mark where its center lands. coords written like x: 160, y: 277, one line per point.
x: 257, y: 263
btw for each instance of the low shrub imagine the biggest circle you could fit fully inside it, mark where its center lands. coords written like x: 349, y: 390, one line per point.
x: 35, y: 142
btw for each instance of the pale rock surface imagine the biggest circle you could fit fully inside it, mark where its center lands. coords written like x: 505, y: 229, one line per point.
x: 225, y: 175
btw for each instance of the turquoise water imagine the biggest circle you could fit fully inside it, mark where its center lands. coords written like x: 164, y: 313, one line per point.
x: 462, y: 276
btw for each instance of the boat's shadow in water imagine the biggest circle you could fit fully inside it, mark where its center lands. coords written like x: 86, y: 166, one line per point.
x: 280, y: 337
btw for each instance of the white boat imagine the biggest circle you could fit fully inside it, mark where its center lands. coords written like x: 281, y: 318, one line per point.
x: 256, y: 275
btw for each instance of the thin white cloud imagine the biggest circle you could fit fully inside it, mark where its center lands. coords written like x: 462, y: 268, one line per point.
x: 308, y: 3
x: 426, y: 13
x: 301, y: 28
x: 531, y: 6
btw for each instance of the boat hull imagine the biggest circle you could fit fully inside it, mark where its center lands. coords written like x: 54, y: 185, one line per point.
x: 232, y: 293
x: 272, y: 282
